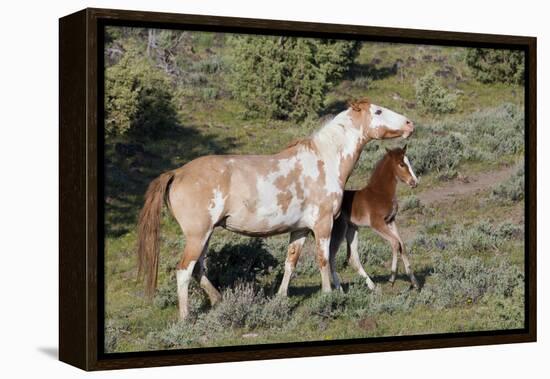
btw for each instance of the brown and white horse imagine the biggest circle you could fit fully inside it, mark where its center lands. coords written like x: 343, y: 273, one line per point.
x: 376, y: 206
x: 296, y: 190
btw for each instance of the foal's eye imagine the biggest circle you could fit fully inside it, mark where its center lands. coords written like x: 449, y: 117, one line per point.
x: 378, y: 111
x: 402, y: 164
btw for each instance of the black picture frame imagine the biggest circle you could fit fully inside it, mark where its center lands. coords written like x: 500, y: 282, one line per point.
x: 81, y: 189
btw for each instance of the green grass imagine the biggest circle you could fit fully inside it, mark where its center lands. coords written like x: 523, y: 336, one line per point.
x: 441, y: 231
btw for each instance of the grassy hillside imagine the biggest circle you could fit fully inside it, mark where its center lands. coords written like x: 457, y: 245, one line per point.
x: 463, y: 225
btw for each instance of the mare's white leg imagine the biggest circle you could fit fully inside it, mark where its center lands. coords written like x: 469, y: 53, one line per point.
x: 194, y: 248
x: 322, y: 233
x: 352, y: 238
x: 296, y: 243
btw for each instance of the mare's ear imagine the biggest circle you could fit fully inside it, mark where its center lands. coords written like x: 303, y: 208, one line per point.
x: 405, y: 148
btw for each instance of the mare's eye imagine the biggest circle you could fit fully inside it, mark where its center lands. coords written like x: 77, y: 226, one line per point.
x: 378, y: 111
x: 402, y: 164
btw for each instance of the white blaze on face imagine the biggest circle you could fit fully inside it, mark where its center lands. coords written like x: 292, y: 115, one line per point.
x: 217, y: 203
x: 406, y: 160
x: 381, y: 116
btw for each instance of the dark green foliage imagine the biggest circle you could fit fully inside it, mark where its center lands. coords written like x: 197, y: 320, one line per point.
x: 287, y: 77
x: 513, y: 189
x: 432, y: 97
x: 492, y: 65
x: 138, y: 96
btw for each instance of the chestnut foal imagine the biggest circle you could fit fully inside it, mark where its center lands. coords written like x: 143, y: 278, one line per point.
x: 376, y: 206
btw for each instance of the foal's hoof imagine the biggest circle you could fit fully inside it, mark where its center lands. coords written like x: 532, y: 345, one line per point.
x: 415, y: 285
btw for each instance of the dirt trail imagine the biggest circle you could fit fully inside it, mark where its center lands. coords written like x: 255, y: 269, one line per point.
x: 464, y: 186
x: 457, y: 188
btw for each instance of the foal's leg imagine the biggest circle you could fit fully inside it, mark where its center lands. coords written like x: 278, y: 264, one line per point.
x: 336, y: 237
x: 322, y: 231
x: 404, y: 256
x: 192, y: 253
x: 297, y: 240
x: 352, y: 237
x: 380, y: 227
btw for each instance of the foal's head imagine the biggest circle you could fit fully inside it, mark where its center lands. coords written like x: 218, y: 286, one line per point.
x: 402, y: 167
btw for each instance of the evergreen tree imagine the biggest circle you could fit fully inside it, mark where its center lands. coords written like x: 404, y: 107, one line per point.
x: 287, y: 77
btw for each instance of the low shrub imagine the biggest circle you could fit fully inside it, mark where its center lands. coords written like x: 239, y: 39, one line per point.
x: 436, y: 154
x: 328, y: 305
x: 459, y: 280
x: 496, y: 131
x: 512, y: 189
x: 241, y: 307
x: 115, y: 330
x: 244, y: 306
x: 410, y: 203
x: 484, y: 236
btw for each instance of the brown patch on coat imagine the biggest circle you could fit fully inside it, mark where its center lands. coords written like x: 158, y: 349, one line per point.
x: 293, y: 254
x: 284, y: 183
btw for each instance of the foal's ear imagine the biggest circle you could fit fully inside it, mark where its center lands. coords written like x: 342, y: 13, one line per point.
x: 387, y: 150
x: 405, y: 148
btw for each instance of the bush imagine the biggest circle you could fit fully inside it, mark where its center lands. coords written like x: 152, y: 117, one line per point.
x: 459, y: 280
x: 496, y: 65
x: 114, y: 330
x: 432, y: 97
x: 328, y: 305
x: 138, y: 96
x: 484, y: 236
x: 241, y: 307
x: 410, y: 203
x: 512, y: 189
x: 287, y: 77
x: 436, y: 153
x: 497, y: 131
x: 244, y: 306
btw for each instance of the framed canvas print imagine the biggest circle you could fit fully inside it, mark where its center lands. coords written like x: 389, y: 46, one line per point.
x: 238, y: 189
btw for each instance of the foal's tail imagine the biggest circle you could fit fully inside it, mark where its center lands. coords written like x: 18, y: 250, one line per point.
x: 149, y: 231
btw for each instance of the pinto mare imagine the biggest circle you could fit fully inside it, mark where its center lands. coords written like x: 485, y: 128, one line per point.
x: 296, y: 190
x: 375, y: 206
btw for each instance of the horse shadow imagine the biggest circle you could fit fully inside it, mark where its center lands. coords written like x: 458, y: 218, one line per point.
x: 132, y: 161
x: 244, y: 262
x: 421, y: 276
